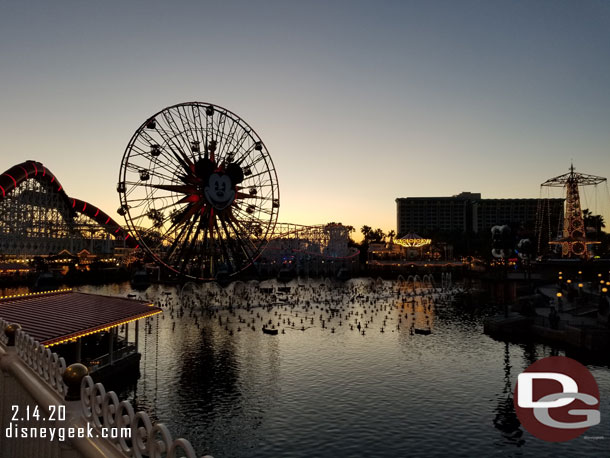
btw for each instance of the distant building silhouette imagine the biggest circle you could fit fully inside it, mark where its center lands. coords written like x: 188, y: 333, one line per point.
x: 468, y: 212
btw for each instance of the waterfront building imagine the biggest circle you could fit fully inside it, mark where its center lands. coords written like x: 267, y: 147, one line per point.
x: 407, y: 250
x: 468, y: 212
x: 83, y: 328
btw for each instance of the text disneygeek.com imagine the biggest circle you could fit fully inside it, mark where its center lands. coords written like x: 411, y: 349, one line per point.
x: 62, y: 433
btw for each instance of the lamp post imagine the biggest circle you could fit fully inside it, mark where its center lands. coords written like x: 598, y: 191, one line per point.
x: 603, y: 303
x: 559, y: 304
x: 582, y: 295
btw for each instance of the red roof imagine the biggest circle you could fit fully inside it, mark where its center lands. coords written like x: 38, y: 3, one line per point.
x: 52, y: 318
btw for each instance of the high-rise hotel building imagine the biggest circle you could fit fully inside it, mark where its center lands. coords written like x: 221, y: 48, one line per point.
x: 467, y: 212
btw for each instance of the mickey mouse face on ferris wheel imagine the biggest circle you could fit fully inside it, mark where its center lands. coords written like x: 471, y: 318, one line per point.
x: 220, y: 185
x: 219, y: 191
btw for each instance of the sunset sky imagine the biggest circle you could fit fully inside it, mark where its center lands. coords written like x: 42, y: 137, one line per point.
x: 357, y: 102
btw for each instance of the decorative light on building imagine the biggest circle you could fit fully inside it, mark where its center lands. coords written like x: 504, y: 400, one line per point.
x: 78, y: 335
x: 412, y: 241
x: 15, y: 296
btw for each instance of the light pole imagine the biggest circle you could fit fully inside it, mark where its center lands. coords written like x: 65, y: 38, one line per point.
x: 582, y: 294
x: 603, y: 303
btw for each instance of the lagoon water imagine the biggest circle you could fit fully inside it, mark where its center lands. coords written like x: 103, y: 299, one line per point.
x: 320, y: 392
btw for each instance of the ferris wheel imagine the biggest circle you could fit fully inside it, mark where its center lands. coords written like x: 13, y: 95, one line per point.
x: 199, y: 190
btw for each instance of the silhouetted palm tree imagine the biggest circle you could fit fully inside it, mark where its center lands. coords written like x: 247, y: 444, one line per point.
x: 377, y: 235
x: 366, y: 231
x: 595, y: 222
x: 391, y: 234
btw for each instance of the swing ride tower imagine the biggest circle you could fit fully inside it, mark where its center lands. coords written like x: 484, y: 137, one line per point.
x: 574, y: 241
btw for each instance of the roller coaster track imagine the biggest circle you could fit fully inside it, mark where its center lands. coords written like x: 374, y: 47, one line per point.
x: 327, y: 241
x: 14, y: 177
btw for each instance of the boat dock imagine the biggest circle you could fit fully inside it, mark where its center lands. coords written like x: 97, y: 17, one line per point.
x: 576, y: 323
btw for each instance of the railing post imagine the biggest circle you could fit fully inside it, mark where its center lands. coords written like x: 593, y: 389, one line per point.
x: 10, y: 332
x: 8, y: 395
x: 73, y: 376
x: 79, y: 344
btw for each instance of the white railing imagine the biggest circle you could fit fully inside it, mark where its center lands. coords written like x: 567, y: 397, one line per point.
x: 32, y: 377
x: 48, y: 365
x: 104, y: 410
x: 3, y: 337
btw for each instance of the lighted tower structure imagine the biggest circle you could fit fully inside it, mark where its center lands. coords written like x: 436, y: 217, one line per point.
x: 574, y: 240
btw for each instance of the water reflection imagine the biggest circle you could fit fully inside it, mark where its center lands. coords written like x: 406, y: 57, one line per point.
x: 322, y: 388
x: 209, y: 370
x: 530, y: 352
x: 506, y: 420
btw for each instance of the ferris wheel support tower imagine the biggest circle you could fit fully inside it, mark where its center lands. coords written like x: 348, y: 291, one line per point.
x: 574, y: 240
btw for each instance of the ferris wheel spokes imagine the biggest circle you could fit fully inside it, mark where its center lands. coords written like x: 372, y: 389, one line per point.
x: 199, y: 190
